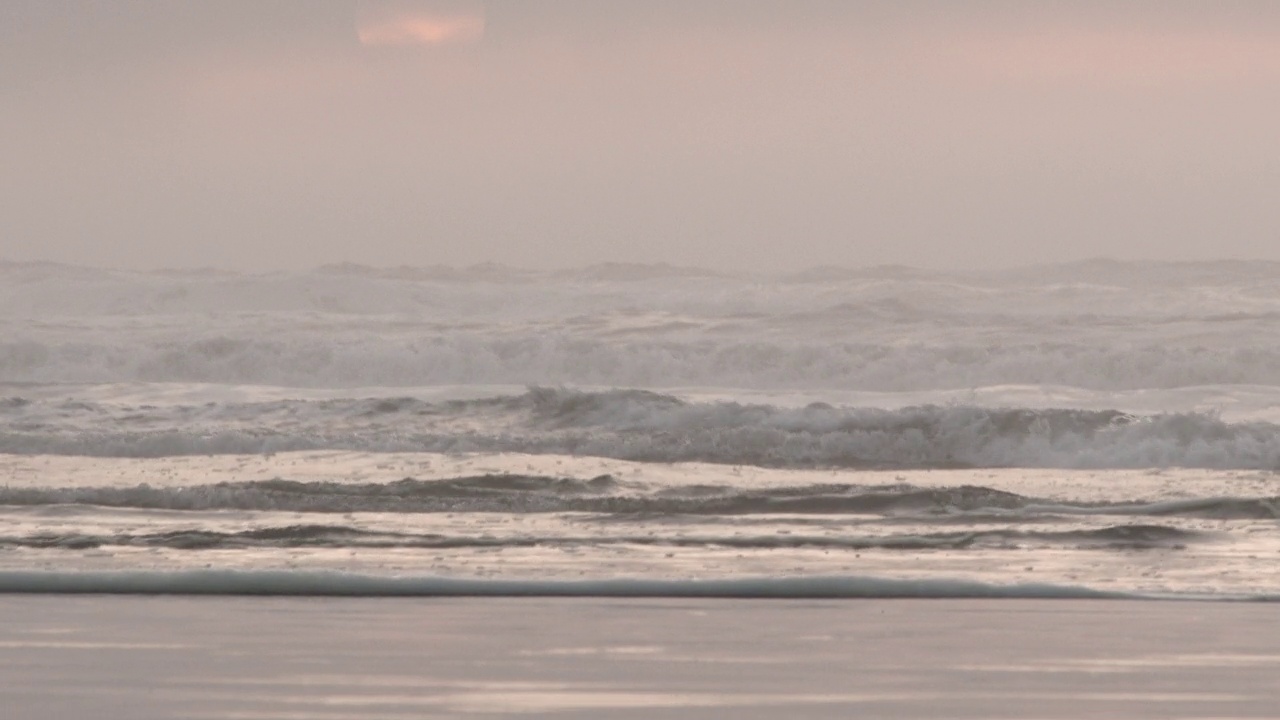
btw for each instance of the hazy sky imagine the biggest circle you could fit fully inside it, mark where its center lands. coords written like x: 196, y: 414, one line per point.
x: 742, y: 134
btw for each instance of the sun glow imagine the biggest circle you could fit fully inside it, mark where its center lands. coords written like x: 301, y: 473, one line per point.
x: 401, y: 24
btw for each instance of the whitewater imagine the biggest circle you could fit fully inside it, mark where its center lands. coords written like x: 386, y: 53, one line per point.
x: 1098, y: 429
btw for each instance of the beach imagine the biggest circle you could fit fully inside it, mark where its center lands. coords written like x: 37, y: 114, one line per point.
x: 343, y: 658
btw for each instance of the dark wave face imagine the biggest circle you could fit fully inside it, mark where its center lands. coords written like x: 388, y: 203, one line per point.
x: 607, y: 496
x: 1119, y: 537
x: 651, y: 427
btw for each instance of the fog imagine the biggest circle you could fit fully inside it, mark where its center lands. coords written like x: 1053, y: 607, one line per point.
x: 732, y: 134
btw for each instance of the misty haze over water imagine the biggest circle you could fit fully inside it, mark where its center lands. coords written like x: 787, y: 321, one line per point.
x: 741, y: 135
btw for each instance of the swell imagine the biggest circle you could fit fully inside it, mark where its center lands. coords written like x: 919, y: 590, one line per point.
x: 604, y: 495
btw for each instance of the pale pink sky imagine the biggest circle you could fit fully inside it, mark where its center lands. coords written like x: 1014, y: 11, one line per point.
x: 742, y: 134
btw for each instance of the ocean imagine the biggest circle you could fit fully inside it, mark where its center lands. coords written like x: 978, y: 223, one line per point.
x: 1098, y: 432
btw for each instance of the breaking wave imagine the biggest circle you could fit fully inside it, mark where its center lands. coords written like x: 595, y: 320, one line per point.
x: 651, y: 427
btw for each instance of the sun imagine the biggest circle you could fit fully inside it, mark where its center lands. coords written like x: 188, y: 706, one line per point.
x: 420, y: 23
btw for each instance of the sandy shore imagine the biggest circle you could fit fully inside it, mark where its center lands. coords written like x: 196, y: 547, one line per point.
x: 276, y: 658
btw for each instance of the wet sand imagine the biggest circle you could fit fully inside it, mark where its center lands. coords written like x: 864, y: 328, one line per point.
x: 330, y: 658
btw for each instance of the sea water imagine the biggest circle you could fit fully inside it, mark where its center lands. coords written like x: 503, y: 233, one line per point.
x: 1100, y: 429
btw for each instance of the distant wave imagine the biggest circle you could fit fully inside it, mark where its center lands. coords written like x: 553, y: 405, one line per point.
x: 649, y: 427
x: 217, y: 582
x: 293, y: 355
x: 1098, y: 325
